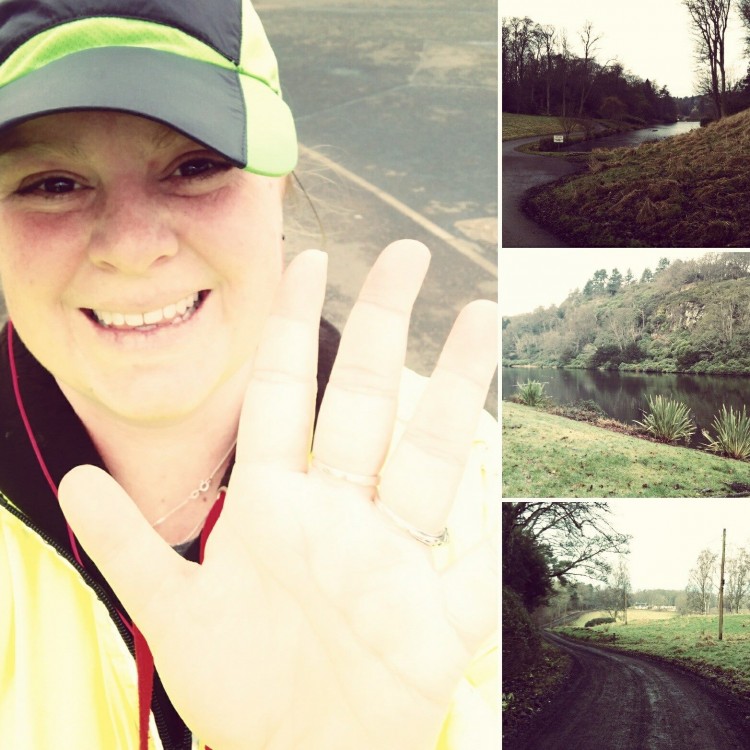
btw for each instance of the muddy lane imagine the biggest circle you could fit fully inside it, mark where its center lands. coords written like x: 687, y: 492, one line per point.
x: 624, y: 702
x: 521, y: 172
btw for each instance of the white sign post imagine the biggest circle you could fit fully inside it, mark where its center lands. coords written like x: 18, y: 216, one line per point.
x: 558, y: 139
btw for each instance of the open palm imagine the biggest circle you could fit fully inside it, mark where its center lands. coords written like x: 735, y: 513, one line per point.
x: 315, y: 621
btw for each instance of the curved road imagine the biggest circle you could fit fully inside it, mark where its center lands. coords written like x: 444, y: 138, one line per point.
x: 521, y: 172
x: 624, y: 702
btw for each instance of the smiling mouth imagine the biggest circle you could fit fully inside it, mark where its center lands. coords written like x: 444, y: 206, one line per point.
x: 174, y: 314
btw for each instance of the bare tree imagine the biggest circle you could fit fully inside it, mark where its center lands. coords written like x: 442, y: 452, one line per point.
x: 737, y: 580
x: 710, y: 19
x: 620, y: 588
x: 701, y: 581
x: 548, y: 40
x: 743, y: 6
x: 576, y: 534
x: 589, y: 46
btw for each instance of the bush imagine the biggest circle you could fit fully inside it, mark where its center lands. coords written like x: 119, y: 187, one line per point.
x: 607, y: 354
x: 531, y: 393
x: 732, y: 434
x: 583, y: 410
x: 599, y: 621
x: 667, y: 420
x: 521, y: 644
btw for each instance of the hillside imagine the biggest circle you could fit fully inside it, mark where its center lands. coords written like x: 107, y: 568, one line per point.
x: 692, y: 190
x: 691, y: 316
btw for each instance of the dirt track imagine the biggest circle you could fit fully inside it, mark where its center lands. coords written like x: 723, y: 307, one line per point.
x: 624, y: 702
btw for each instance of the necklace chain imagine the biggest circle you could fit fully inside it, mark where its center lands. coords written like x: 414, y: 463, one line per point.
x: 201, y: 489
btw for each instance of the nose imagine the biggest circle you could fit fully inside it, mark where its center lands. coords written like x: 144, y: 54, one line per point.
x: 132, y: 233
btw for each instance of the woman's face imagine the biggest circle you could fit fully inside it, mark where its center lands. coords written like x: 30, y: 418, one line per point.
x: 137, y: 266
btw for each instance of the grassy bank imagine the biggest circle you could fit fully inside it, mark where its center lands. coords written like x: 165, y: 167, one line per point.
x: 692, y: 190
x: 525, y: 126
x: 550, y: 456
x: 690, y: 641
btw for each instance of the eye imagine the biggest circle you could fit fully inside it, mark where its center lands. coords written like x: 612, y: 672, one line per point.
x: 201, y: 167
x: 51, y: 186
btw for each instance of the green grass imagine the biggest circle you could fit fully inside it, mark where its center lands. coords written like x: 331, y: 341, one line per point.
x: 634, y: 615
x: 550, y: 456
x: 692, y: 190
x: 689, y: 640
x: 525, y: 126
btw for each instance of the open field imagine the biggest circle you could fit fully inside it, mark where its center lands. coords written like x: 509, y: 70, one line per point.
x: 634, y: 615
x: 688, y: 191
x: 689, y: 640
x: 549, y: 456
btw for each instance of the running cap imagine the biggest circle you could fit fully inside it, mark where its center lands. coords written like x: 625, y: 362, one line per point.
x: 202, y: 67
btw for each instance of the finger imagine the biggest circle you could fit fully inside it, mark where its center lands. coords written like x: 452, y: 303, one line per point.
x: 358, y: 411
x: 141, y: 568
x: 277, y: 416
x: 422, y: 475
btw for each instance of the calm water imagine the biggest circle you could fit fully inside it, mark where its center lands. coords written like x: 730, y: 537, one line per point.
x: 636, y: 137
x: 623, y: 395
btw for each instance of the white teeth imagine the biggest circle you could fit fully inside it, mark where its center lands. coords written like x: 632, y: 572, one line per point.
x: 150, y: 318
x: 173, y: 312
x: 134, y: 320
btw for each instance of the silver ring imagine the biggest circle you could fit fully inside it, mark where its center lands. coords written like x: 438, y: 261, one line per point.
x: 361, y: 480
x: 431, y: 540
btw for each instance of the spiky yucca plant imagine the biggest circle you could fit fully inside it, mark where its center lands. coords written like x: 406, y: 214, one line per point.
x: 732, y: 434
x: 667, y: 420
x: 531, y: 393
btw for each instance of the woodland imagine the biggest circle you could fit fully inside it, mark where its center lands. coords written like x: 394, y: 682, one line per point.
x: 689, y: 316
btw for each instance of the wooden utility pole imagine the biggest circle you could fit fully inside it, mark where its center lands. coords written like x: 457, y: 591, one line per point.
x: 721, y: 584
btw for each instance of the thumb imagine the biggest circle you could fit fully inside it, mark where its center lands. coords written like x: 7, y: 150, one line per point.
x: 139, y: 566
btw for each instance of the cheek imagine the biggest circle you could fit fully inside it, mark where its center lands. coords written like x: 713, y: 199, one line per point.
x: 37, y: 245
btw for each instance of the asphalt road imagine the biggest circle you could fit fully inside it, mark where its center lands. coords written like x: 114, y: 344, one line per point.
x: 625, y: 702
x: 521, y: 172
x: 396, y: 109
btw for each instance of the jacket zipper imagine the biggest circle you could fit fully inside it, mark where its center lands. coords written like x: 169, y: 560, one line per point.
x: 103, y: 597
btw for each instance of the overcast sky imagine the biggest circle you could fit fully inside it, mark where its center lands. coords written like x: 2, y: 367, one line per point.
x: 530, y: 278
x: 651, y: 38
x: 668, y: 535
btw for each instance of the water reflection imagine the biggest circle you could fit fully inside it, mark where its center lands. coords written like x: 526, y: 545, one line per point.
x: 623, y: 395
x: 635, y: 137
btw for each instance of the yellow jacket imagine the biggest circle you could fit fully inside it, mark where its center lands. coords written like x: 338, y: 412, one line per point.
x: 68, y: 680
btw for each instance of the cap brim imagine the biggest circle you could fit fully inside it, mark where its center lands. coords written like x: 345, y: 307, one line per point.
x: 237, y: 116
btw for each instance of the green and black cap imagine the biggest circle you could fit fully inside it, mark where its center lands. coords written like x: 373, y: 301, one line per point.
x: 203, y: 67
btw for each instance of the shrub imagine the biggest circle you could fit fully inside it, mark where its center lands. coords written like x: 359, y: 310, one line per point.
x: 732, y: 434
x: 667, y: 420
x: 599, y: 621
x: 583, y: 410
x: 521, y: 643
x: 531, y: 393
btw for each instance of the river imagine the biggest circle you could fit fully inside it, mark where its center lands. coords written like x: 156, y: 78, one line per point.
x: 623, y: 395
x: 636, y: 137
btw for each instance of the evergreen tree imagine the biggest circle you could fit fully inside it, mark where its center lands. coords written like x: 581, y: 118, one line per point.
x: 615, y: 282
x: 646, y: 276
x: 599, y: 281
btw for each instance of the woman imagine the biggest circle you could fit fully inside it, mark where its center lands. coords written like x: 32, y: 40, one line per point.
x: 158, y: 351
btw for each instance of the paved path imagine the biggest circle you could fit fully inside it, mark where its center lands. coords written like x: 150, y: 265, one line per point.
x: 625, y: 702
x: 396, y: 109
x: 521, y: 172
